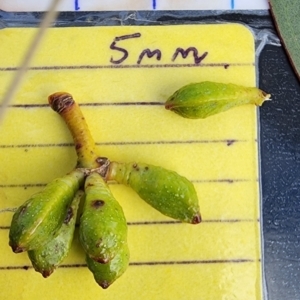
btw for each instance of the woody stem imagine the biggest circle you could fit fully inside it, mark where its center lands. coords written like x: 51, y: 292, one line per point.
x: 64, y: 104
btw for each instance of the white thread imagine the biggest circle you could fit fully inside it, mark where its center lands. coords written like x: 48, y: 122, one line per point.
x: 49, y: 17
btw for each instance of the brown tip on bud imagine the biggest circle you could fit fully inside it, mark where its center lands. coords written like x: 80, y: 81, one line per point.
x: 168, y: 106
x: 104, y: 284
x: 60, y: 101
x: 197, y: 219
x: 17, y: 249
x: 47, y: 273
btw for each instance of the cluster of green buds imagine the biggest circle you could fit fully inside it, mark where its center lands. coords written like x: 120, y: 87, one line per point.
x: 44, y: 225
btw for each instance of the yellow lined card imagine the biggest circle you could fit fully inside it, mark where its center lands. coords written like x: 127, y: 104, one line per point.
x: 121, y: 77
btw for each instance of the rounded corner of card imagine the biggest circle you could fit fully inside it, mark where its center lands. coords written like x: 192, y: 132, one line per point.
x: 244, y: 30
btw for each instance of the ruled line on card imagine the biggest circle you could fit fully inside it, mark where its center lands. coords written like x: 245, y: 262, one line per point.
x: 94, y: 104
x: 150, y: 263
x: 195, y: 262
x: 224, y: 65
x: 223, y: 180
x: 173, y: 222
x: 194, y: 181
x: 228, y: 142
x: 22, y: 185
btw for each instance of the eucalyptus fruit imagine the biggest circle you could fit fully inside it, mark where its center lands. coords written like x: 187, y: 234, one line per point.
x: 38, y: 220
x: 103, y: 227
x: 46, y: 259
x: 168, y: 192
x: 203, y: 99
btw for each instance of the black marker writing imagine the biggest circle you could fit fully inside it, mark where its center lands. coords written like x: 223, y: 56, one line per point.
x: 150, y: 54
x: 156, y: 53
x: 124, y: 51
x: 185, y: 53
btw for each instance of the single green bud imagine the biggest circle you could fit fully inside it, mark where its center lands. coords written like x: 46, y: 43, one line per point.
x: 38, y: 220
x: 168, y: 192
x: 106, y: 274
x: 103, y: 227
x: 203, y: 99
x: 46, y: 259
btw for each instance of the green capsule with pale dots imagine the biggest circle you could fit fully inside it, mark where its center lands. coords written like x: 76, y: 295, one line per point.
x: 38, y: 220
x: 103, y: 227
x: 46, y: 259
x: 167, y: 191
x: 203, y: 99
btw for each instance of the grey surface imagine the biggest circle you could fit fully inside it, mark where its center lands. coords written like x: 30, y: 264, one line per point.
x: 280, y: 161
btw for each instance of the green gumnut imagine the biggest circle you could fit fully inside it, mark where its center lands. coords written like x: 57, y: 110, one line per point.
x: 103, y: 227
x: 168, y: 192
x: 106, y: 274
x: 46, y: 259
x: 38, y: 220
x: 203, y: 99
